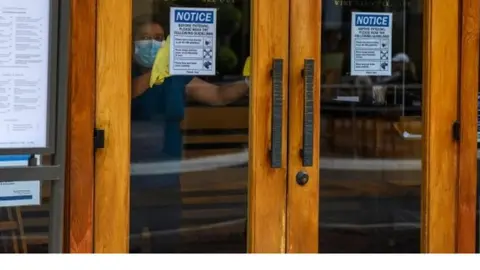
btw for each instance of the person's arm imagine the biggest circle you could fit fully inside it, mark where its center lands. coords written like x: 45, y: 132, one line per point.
x: 215, y: 95
x: 140, y: 84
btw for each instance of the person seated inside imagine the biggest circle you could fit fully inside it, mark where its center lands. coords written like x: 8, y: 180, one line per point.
x: 400, y: 88
x: 402, y: 85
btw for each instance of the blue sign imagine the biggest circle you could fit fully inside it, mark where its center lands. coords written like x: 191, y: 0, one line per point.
x: 193, y: 33
x: 18, y: 193
x: 372, y: 20
x: 371, y: 44
x: 194, y: 16
x: 15, y: 158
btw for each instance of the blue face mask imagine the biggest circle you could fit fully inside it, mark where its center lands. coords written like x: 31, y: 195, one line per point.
x: 146, y: 51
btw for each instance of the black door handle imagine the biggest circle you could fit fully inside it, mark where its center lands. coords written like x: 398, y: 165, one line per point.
x: 308, y: 80
x: 302, y: 178
x: 277, y: 114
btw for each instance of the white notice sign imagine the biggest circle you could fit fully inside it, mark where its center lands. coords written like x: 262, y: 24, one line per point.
x: 371, y: 43
x: 24, y: 45
x: 192, y: 41
x: 18, y: 193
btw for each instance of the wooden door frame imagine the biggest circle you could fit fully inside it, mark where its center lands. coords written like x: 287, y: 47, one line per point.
x: 467, y: 170
x: 267, y: 187
x: 79, y: 180
x: 440, y: 111
x: 113, y: 94
x: 83, y: 71
x: 440, y: 151
x: 303, y: 201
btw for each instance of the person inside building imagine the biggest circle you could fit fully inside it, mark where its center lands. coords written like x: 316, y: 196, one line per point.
x: 156, y: 113
x: 402, y: 82
x: 399, y: 87
x: 167, y: 100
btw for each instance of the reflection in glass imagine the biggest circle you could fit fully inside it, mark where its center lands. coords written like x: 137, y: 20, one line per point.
x: 189, y: 138
x: 370, y: 138
x: 25, y: 229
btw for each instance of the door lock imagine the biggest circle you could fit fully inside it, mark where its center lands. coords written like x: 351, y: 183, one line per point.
x: 302, y: 178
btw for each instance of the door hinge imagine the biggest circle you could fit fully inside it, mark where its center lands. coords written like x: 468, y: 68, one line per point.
x: 456, y: 131
x: 98, y: 138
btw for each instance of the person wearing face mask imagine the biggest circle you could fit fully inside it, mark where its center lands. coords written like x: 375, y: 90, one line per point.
x: 168, y: 99
x: 145, y: 51
x: 157, y: 112
x: 149, y: 36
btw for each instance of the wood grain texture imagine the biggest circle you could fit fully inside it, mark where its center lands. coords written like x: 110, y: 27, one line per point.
x: 302, y: 202
x: 80, y: 167
x: 440, y: 151
x: 112, y: 164
x: 467, y: 172
x: 267, y: 186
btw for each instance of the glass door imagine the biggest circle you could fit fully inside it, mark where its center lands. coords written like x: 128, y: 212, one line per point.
x: 372, y: 158
x: 192, y: 100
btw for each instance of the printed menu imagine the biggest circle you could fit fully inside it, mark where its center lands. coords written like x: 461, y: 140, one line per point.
x: 24, y: 69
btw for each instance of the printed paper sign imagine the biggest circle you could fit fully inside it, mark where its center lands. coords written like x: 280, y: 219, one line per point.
x: 18, y: 193
x: 24, y: 71
x: 371, y: 44
x: 192, y: 41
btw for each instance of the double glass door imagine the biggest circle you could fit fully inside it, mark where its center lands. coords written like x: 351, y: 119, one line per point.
x: 322, y: 126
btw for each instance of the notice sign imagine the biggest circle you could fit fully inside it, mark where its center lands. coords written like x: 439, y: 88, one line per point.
x: 18, y: 193
x: 192, y: 41
x: 24, y: 72
x: 371, y: 44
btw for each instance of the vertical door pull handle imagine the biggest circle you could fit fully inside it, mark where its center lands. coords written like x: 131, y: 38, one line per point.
x: 277, y: 114
x: 308, y: 80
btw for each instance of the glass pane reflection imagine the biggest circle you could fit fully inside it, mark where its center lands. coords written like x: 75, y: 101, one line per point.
x: 25, y: 229
x: 370, y: 138
x: 189, y: 138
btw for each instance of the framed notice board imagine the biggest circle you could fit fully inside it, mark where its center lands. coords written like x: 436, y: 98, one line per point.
x: 28, y: 76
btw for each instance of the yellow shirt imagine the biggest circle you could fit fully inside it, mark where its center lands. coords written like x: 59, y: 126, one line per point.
x: 160, y: 69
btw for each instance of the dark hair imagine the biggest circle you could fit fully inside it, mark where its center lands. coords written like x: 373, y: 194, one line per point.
x: 142, y: 20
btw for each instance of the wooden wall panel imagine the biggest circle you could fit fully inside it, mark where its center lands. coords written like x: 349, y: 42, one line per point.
x: 302, y: 202
x: 267, y: 186
x: 112, y: 164
x: 440, y: 107
x: 467, y: 172
x: 80, y: 167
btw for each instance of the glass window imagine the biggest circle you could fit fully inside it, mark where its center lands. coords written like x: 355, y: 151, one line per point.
x: 189, y: 134
x: 25, y: 228
x: 371, y: 128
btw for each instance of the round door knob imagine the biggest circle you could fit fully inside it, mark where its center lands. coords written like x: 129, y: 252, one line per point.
x: 302, y: 178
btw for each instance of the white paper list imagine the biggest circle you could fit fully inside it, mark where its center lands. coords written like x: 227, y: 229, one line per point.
x: 24, y: 44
